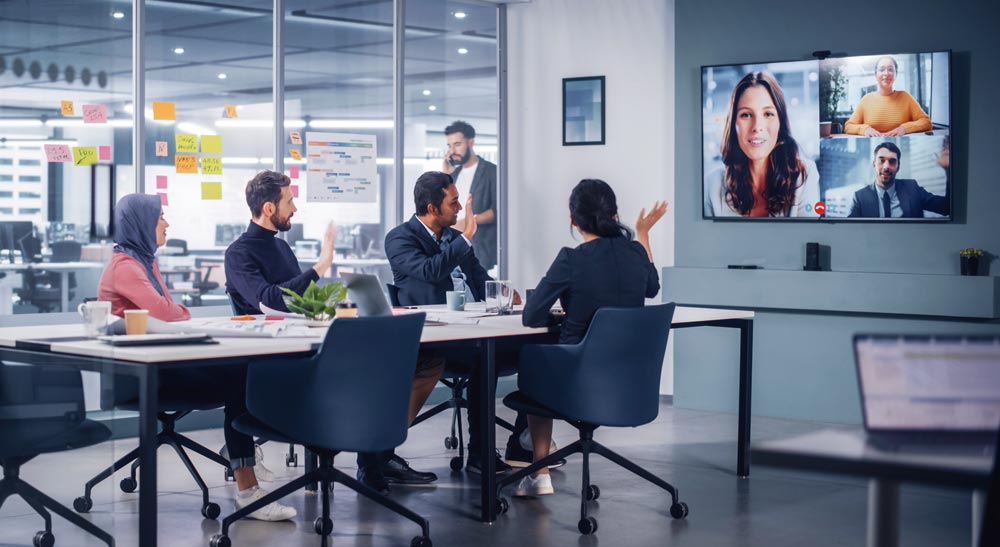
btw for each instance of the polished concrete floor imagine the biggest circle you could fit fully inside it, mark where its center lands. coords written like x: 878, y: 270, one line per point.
x: 693, y: 450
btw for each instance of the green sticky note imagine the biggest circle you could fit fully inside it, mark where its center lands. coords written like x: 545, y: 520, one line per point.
x: 186, y: 142
x: 211, y: 165
x: 211, y: 144
x: 84, y: 155
x: 211, y: 190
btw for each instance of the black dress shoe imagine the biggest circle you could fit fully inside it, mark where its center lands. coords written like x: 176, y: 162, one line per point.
x: 373, y: 478
x: 474, y: 463
x: 397, y: 471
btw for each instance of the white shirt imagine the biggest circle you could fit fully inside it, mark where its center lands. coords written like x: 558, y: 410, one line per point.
x: 464, y: 183
x: 459, y: 280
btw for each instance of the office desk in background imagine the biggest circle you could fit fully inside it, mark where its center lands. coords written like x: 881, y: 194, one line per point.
x: 849, y: 452
x: 63, y: 268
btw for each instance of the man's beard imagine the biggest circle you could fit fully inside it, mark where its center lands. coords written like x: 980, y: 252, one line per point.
x: 282, y: 226
x: 463, y: 161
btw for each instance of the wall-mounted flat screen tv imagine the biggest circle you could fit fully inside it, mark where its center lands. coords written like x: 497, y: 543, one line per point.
x: 848, y: 138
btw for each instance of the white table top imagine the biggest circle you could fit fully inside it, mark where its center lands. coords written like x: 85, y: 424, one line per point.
x: 52, y: 266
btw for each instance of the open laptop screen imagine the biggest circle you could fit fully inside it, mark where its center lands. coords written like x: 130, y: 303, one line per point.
x: 935, y: 384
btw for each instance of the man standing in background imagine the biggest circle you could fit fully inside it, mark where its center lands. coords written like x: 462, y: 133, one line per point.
x: 478, y: 177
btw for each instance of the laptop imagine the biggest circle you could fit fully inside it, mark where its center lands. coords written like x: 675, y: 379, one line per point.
x: 366, y: 291
x: 929, y: 390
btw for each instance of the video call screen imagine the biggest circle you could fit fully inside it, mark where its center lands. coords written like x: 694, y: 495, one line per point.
x: 850, y: 138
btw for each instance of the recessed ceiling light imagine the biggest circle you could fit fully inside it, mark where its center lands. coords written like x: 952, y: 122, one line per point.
x: 462, y: 51
x: 118, y: 15
x: 426, y: 92
x: 222, y: 75
x: 459, y: 15
x: 432, y: 108
x: 178, y: 50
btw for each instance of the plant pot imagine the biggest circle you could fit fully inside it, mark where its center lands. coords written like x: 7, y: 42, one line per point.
x: 824, y: 129
x: 969, y: 265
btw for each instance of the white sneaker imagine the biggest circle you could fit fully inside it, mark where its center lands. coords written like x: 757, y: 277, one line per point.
x: 532, y: 487
x: 525, y: 440
x: 272, y: 512
x: 262, y: 473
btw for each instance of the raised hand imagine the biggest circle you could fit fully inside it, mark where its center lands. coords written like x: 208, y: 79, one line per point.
x: 470, y: 227
x: 645, y: 222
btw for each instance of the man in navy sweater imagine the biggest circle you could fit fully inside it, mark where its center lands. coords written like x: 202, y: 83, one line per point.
x: 258, y: 265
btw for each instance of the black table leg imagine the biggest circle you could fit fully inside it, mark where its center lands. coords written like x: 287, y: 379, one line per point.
x: 746, y: 365
x: 149, y: 385
x: 311, y: 463
x: 487, y: 440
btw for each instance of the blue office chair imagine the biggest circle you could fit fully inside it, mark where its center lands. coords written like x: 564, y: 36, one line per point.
x: 612, y: 377
x: 41, y: 411
x: 989, y: 534
x: 324, y: 415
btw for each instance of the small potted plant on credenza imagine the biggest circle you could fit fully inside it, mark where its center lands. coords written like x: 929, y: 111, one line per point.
x: 969, y: 260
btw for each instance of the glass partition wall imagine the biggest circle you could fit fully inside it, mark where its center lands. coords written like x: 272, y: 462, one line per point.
x: 353, y: 74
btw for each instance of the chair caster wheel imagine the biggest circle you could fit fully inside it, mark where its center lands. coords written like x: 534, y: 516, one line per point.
x: 292, y: 460
x: 128, y: 485
x: 219, y: 540
x: 421, y: 541
x: 679, y: 510
x: 44, y: 539
x: 502, y: 505
x: 83, y: 504
x: 587, y: 525
x: 323, y: 526
x: 456, y: 464
x: 229, y: 475
x: 593, y: 492
x: 211, y: 511
x: 450, y: 443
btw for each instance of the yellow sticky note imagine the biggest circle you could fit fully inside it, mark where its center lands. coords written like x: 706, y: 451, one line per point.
x: 295, y: 154
x: 186, y: 143
x: 211, y: 190
x: 84, y: 155
x: 211, y: 165
x: 67, y: 107
x: 211, y: 144
x: 230, y: 111
x: 186, y: 164
x: 164, y: 111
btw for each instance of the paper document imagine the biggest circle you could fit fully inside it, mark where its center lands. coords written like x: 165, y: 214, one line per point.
x: 271, y: 311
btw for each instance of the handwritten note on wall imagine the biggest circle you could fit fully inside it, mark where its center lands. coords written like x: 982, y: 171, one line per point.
x: 58, y: 153
x: 66, y: 107
x: 211, y: 165
x: 295, y: 154
x: 84, y: 155
x: 95, y: 113
x: 186, y: 143
x: 161, y: 149
x: 186, y: 164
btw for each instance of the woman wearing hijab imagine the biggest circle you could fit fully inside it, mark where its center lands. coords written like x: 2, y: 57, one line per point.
x: 132, y: 281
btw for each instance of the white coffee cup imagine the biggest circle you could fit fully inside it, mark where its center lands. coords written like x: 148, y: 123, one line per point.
x: 95, y: 316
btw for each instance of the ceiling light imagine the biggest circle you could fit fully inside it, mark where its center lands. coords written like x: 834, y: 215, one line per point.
x: 462, y: 51
x: 459, y: 15
x: 118, y: 15
x: 230, y: 123
x: 222, y: 75
x: 432, y: 108
x: 426, y: 92
x: 350, y: 124
x: 179, y: 50
x: 8, y: 122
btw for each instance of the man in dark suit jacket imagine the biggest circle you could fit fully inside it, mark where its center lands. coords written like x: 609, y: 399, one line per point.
x: 889, y: 197
x: 483, y: 189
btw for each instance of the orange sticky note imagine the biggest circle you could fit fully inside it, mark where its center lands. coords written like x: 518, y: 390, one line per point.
x: 295, y: 153
x: 161, y: 182
x: 104, y: 153
x: 295, y: 136
x: 95, y: 113
x: 186, y: 164
x: 163, y: 199
x: 164, y: 111
x: 295, y: 191
x: 67, y: 107
x: 293, y: 171
x: 230, y: 111
x: 161, y: 148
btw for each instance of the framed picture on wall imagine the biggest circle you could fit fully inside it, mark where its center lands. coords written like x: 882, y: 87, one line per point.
x: 583, y: 111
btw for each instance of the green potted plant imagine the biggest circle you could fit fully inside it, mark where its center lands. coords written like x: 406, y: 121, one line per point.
x: 316, y: 303
x: 969, y: 260
x: 832, y: 90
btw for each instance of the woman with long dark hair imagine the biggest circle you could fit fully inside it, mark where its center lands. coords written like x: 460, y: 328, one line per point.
x: 763, y: 174
x: 608, y: 269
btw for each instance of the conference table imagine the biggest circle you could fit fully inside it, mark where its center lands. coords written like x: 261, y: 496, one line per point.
x: 37, y: 345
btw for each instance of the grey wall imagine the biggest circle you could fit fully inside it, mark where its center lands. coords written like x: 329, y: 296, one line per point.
x: 803, y: 364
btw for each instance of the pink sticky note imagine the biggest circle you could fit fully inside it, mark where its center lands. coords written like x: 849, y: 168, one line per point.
x: 104, y: 153
x: 95, y: 113
x: 161, y: 148
x: 295, y: 191
x: 163, y: 199
x: 58, y: 153
x: 161, y: 182
x: 293, y: 171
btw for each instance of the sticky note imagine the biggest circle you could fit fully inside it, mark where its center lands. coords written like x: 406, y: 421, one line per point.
x: 295, y: 153
x: 163, y: 199
x: 211, y: 144
x: 211, y: 165
x: 295, y: 136
x: 104, y: 153
x: 295, y: 191
x: 57, y: 153
x: 84, y: 155
x: 293, y: 171
x: 211, y: 190
x: 230, y: 111
x: 67, y: 107
x: 164, y: 111
x: 186, y: 164
x: 161, y: 148
x: 161, y: 182
x: 95, y: 113
x: 186, y: 142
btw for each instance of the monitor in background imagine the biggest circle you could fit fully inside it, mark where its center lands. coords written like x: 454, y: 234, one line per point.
x: 940, y: 384
x: 293, y: 235
x: 227, y: 233
x: 367, y: 240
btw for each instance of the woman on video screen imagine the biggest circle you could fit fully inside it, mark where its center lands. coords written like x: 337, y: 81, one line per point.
x: 763, y: 175
x: 887, y: 113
